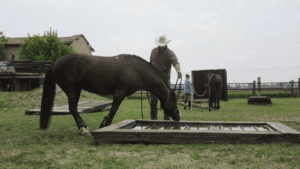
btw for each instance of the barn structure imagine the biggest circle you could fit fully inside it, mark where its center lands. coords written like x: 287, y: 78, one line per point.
x: 78, y: 42
x: 20, y: 75
x: 198, y: 80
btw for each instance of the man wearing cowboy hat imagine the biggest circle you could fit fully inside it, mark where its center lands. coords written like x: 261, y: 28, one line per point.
x: 162, y: 58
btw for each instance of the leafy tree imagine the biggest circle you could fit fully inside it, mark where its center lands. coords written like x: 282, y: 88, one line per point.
x: 2, y: 40
x: 47, y: 47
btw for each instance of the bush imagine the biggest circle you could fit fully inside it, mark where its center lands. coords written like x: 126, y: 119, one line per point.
x: 47, y: 47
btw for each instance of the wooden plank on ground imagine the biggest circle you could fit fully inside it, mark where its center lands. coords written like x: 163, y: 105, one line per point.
x: 83, y: 107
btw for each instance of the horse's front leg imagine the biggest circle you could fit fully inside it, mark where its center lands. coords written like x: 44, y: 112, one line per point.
x: 118, y: 98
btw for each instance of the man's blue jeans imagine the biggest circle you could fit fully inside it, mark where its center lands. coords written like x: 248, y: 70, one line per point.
x: 154, y: 100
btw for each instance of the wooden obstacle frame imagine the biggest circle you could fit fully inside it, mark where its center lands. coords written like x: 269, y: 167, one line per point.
x: 259, y: 100
x: 187, y: 132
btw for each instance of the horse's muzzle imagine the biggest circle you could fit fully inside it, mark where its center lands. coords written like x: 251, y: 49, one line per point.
x: 177, y: 116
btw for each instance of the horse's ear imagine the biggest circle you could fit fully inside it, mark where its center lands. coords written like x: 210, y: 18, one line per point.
x: 172, y: 91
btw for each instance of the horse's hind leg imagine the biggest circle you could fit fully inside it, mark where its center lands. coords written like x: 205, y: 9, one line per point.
x: 218, y: 107
x: 73, y: 97
x: 218, y: 98
x: 215, y: 103
x: 210, y: 105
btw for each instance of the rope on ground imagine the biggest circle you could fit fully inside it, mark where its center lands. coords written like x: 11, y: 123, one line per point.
x: 194, y: 91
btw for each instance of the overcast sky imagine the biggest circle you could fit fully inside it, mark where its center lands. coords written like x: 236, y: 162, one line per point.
x: 247, y: 38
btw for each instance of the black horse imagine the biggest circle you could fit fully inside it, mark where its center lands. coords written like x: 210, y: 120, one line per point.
x: 120, y: 76
x: 213, y: 83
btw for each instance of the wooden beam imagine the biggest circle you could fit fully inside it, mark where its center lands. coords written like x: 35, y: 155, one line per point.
x: 13, y: 82
x: 298, y: 87
x: 259, y: 86
x: 254, y: 87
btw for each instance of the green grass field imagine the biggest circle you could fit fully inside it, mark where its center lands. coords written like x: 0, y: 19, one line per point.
x: 24, y: 145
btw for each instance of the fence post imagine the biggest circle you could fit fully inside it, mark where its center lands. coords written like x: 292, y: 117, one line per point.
x: 292, y: 88
x: 13, y: 82
x: 298, y: 87
x: 259, y: 86
x: 29, y: 85
x: 254, y: 87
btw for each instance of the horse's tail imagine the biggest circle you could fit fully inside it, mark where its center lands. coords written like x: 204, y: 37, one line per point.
x: 47, y: 99
x: 219, y: 86
x: 213, y: 86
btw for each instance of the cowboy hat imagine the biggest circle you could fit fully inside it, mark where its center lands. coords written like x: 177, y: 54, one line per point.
x: 162, y: 40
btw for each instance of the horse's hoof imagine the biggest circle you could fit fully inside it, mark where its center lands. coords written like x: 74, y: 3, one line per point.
x: 103, y: 124
x: 84, y: 131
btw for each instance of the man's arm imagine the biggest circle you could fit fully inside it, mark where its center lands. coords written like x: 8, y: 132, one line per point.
x: 177, y: 68
x: 176, y: 64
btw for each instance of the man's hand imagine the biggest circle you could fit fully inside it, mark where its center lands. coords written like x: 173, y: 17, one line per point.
x: 179, y: 75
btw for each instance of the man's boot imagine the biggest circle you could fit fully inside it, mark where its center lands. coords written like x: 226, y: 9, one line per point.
x: 153, y: 112
x: 185, y: 104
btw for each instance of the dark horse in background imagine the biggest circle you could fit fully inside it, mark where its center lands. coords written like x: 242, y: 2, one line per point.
x: 120, y: 76
x: 213, y: 83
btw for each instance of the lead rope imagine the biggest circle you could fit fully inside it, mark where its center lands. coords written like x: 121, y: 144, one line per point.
x: 168, y: 97
x: 197, y: 93
x: 142, y: 104
x: 179, y: 86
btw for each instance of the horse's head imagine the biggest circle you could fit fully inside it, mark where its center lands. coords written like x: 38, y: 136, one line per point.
x: 171, y: 108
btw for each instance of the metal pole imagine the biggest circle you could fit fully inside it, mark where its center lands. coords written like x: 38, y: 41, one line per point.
x: 259, y: 86
x: 292, y: 88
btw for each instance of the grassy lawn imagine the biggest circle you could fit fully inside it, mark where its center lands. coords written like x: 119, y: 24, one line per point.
x: 24, y: 145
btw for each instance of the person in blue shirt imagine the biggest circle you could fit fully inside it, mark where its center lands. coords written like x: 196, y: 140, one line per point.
x: 187, y: 92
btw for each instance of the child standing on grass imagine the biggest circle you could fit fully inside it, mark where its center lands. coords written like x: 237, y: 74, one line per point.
x: 187, y: 92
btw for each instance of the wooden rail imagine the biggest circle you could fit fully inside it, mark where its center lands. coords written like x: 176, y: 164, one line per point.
x: 259, y: 89
x: 254, y: 88
x: 27, y: 66
x: 24, y: 70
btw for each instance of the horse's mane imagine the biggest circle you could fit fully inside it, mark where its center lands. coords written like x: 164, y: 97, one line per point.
x: 154, y: 68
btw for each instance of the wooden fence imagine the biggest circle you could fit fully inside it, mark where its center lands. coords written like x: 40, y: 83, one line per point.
x: 28, y: 66
x: 275, y: 86
x: 252, y: 87
x: 23, y: 68
x: 25, y: 76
